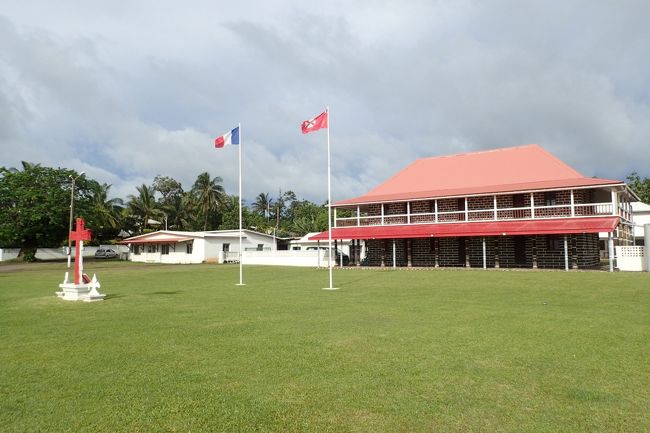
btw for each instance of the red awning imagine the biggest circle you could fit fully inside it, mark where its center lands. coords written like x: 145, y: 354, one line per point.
x: 488, y: 228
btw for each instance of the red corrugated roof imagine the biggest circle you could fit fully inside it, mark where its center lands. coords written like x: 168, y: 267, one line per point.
x: 490, y: 228
x: 157, y: 240
x: 520, y: 168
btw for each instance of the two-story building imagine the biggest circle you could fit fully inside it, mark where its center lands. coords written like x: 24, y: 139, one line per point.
x: 510, y: 207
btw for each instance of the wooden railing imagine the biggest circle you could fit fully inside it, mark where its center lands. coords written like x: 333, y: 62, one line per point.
x: 475, y: 215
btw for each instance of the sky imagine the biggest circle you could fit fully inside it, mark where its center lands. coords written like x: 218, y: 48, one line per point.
x: 126, y: 91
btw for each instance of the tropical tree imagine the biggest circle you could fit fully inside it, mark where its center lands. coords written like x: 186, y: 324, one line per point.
x: 106, y: 216
x: 171, y: 201
x: 35, y: 205
x: 640, y: 186
x: 143, y: 206
x: 209, y: 195
x: 262, y: 204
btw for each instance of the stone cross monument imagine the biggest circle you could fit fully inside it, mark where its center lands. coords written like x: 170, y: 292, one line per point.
x: 82, y: 288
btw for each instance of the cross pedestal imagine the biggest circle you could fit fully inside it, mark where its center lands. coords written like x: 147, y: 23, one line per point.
x: 79, y: 289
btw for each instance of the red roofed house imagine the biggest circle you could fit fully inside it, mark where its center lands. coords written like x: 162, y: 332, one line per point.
x: 511, y: 207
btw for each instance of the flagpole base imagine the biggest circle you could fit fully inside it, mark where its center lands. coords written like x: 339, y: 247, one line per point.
x: 330, y: 288
x: 240, y: 284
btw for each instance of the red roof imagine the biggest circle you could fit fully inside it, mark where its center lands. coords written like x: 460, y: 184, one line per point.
x: 159, y: 239
x: 490, y: 228
x: 511, y: 169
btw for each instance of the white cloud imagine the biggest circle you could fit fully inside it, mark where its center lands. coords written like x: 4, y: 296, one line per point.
x: 129, y: 94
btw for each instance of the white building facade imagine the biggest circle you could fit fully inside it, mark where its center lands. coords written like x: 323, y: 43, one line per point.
x: 176, y: 247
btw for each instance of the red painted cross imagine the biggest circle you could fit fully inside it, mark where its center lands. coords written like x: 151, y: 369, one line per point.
x: 81, y: 234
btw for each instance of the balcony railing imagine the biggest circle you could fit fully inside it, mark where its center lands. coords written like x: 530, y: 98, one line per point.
x: 476, y: 215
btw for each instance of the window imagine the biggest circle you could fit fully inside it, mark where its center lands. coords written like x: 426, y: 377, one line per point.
x: 555, y: 243
x: 461, y: 207
x: 226, y: 247
x: 550, y: 198
x: 295, y: 248
x: 152, y: 248
x: 518, y: 200
x: 189, y: 246
x: 136, y: 250
x: 164, y: 249
x: 260, y: 247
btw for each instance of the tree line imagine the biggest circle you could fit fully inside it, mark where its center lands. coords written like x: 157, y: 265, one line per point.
x: 35, y: 208
x: 35, y: 203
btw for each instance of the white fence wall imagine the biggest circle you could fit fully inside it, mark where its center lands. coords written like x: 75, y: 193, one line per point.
x: 8, y: 253
x: 285, y: 258
x: 631, y: 258
x: 58, y: 253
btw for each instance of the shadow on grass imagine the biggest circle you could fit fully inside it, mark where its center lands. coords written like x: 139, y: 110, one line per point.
x: 113, y: 296
x: 176, y: 292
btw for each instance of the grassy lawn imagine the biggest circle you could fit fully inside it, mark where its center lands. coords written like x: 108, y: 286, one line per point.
x: 183, y: 349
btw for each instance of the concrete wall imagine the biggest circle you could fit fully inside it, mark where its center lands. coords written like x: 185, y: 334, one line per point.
x: 59, y: 253
x: 631, y: 258
x: 285, y: 258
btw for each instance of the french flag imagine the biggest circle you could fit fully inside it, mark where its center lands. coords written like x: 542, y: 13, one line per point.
x: 227, y: 139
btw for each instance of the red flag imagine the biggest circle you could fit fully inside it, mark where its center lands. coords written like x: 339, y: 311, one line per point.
x: 315, y: 124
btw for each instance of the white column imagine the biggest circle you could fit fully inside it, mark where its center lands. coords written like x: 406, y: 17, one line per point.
x: 382, y: 214
x: 435, y: 209
x: 614, y: 203
x: 394, y: 255
x: 573, y: 208
x: 334, y: 217
x: 646, y: 237
x: 495, y: 208
x: 566, y: 254
x: 532, y: 205
x: 408, y: 212
x: 358, y: 215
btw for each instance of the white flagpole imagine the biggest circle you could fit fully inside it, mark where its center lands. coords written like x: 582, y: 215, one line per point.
x: 329, y: 202
x: 241, y: 252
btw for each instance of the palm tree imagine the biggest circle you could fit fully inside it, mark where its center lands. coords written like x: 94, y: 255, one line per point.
x: 26, y: 166
x: 262, y: 204
x: 209, y: 195
x: 107, y: 211
x: 144, y: 205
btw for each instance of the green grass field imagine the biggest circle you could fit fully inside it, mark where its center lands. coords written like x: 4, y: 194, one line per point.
x: 183, y: 349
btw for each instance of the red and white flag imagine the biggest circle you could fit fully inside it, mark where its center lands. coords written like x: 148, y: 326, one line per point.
x: 315, y: 124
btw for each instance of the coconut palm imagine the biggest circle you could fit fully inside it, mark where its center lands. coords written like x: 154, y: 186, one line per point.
x: 106, y: 211
x: 262, y: 204
x: 209, y: 195
x: 144, y: 205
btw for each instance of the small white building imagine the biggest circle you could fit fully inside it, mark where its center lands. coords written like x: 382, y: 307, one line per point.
x: 641, y: 213
x: 216, y: 246
x: 304, y: 244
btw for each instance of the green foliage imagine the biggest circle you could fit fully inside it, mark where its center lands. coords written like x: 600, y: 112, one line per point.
x: 103, y: 215
x: 144, y: 207
x: 208, y: 194
x: 391, y: 351
x: 35, y: 205
x: 640, y: 186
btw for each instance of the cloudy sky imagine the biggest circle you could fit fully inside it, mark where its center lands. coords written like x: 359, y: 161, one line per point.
x: 128, y: 90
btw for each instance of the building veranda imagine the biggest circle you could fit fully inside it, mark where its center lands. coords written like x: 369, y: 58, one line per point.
x: 517, y: 207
